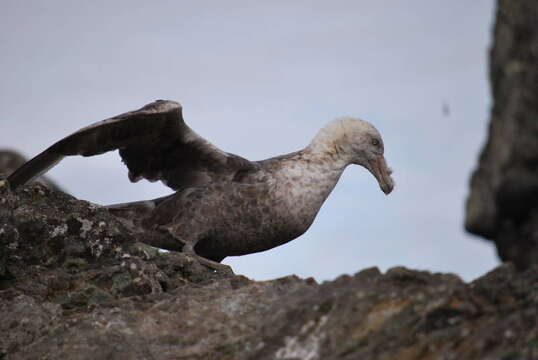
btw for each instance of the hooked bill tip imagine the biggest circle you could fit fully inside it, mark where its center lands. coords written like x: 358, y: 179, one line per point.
x: 387, y: 189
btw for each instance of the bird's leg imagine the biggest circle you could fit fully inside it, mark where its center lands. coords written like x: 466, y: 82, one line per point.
x: 188, y: 249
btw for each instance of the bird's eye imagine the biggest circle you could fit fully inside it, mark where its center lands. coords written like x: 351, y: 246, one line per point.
x: 375, y: 142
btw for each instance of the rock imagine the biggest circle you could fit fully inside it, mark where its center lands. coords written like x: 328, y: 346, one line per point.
x: 503, y: 202
x: 76, y: 284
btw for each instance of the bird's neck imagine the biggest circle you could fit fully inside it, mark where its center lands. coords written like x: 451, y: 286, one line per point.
x: 324, y: 169
x: 308, y: 181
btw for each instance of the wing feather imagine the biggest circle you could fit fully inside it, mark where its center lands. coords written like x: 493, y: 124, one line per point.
x: 154, y: 143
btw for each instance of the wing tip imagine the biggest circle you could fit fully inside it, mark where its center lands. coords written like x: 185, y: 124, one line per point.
x: 33, y: 168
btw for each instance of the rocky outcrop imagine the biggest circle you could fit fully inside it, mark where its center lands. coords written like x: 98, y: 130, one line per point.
x: 76, y: 284
x: 503, y: 202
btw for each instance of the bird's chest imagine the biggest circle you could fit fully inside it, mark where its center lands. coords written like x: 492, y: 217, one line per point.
x: 251, y: 218
x: 267, y: 215
x: 303, y: 197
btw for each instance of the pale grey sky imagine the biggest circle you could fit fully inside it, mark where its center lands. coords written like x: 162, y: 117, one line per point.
x: 259, y: 79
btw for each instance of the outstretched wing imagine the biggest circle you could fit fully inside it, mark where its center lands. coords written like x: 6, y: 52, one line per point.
x: 154, y: 142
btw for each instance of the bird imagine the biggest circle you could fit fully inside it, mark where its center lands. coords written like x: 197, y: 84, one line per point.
x: 223, y: 205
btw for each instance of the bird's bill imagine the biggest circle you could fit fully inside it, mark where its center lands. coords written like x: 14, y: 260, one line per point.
x: 378, y: 167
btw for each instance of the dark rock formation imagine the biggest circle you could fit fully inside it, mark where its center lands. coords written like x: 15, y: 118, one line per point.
x: 11, y: 160
x: 503, y: 203
x: 75, y: 284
